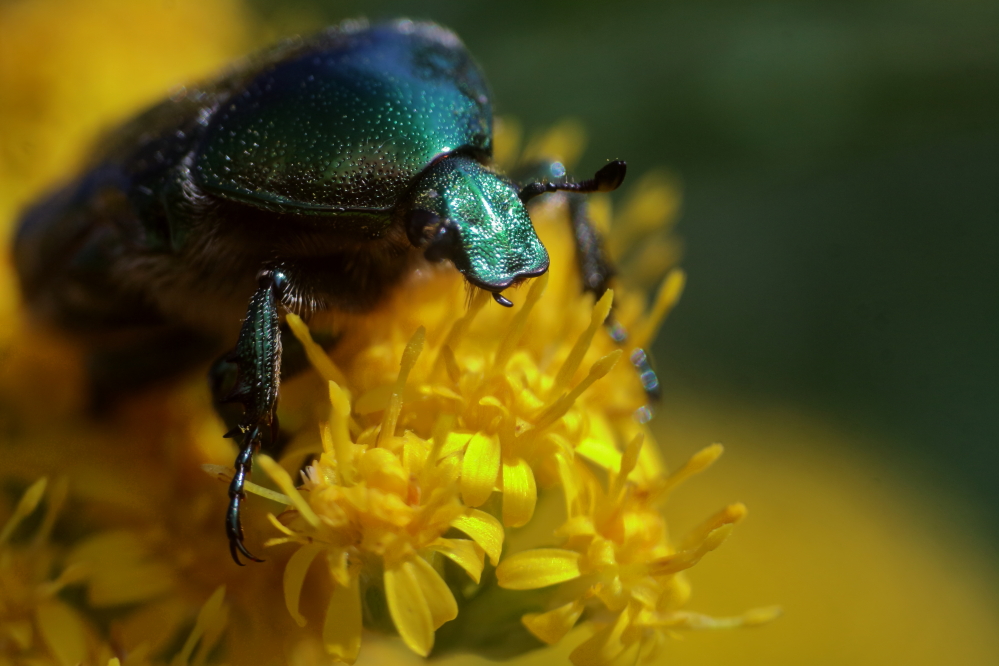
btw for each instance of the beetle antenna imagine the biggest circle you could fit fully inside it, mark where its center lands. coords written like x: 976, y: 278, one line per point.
x: 607, y: 179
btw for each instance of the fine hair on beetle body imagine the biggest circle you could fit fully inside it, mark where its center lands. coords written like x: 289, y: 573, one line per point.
x: 311, y: 178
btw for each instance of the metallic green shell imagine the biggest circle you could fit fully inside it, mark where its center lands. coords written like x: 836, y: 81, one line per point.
x: 498, y: 242
x: 347, y: 121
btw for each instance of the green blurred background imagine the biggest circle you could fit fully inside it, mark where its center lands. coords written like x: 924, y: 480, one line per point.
x: 840, y: 169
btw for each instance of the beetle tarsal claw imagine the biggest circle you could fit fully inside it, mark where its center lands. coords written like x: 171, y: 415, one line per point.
x: 502, y: 300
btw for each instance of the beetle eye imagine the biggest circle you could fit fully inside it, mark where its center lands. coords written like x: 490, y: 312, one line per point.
x: 422, y: 227
x: 445, y: 243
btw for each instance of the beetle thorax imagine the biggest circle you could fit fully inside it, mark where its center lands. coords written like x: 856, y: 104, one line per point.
x: 465, y: 212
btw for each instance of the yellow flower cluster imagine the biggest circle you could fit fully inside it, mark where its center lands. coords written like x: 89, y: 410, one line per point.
x: 455, y: 448
x: 616, y: 554
x: 39, y: 627
x: 438, y: 455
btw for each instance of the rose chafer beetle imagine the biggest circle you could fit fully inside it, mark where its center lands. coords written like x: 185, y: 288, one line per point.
x: 312, y: 177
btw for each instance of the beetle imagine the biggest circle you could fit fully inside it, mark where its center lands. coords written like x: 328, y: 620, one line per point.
x: 311, y: 177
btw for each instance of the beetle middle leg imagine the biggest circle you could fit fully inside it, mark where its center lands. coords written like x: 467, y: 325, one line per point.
x: 257, y: 361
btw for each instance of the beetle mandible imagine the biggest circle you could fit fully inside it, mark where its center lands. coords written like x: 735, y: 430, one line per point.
x: 311, y: 177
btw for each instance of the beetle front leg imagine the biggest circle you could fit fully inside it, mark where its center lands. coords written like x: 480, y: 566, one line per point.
x: 595, y: 266
x: 257, y: 359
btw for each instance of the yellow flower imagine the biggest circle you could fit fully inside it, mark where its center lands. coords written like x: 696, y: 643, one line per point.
x: 38, y: 625
x: 452, y: 431
x: 447, y: 424
x: 617, y: 555
x: 376, y: 505
x: 35, y: 624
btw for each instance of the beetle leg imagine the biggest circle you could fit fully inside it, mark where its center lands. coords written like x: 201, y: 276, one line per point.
x: 257, y: 359
x: 233, y: 524
x: 596, y: 271
x: 595, y: 267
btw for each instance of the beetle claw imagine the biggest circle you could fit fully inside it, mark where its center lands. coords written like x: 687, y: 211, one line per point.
x: 234, y: 529
x: 236, y: 548
x: 502, y: 300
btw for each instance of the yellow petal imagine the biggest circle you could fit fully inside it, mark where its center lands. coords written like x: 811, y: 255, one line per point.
x: 688, y: 558
x: 57, y: 497
x: 318, y: 357
x: 541, y: 567
x: 443, y: 607
x: 699, y: 462
x: 29, y: 500
x: 450, y: 364
x: 152, y: 626
x: 207, y: 617
x: 600, y: 311
x: 415, y: 451
x: 603, y: 646
x: 651, y: 206
x: 570, y: 487
x: 552, y: 626
x: 342, y: 628
x: 339, y: 432
x: 374, y: 399
x: 223, y: 473
x: 628, y: 462
x: 20, y: 632
x: 516, y: 329
x: 409, y: 610
x: 453, y: 443
x: 460, y: 327
x: 731, y: 514
x: 520, y: 493
x: 479, y: 469
x: 600, y: 452
x: 294, y: 576
x: 120, y: 569
x: 465, y: 553
x: 559, y: 408
x: 507, y: 133
x: 214, y: 628
x: 382, y: 469
x: 485, y: 530
x: 338, y: 562
x: 666, y: 298
x: 409, y: 358
x: 578, y: 526
x: 281, y: 477
x: 279, y: 526
x: 564, y: 142
x: 63, y: 631
x: 135, y: 582
x: 689, y: 620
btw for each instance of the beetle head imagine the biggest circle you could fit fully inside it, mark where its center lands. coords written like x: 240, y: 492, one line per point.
x: 463, y: 212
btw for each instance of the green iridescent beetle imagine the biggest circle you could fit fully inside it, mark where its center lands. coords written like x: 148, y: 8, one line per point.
x: 309, y: 178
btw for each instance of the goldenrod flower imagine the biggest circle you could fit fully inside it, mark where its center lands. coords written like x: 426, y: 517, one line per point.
x: 618, y: 557
x: 447, y: 417
x: 35, y: 624
x: 443, y: 429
